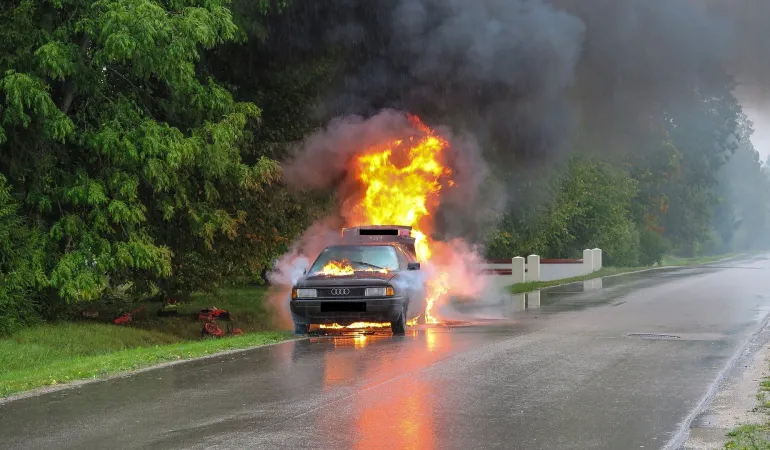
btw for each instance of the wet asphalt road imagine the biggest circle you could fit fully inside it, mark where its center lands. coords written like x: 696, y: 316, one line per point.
x: 561, y: 374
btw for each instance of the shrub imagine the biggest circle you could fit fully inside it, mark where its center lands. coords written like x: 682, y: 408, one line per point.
x: 652, y: 247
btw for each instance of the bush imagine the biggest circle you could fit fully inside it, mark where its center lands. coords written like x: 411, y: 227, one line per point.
x: 621, y: 245
x: 652, y: 247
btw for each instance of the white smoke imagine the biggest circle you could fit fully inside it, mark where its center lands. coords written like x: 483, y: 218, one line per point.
x: 292, y: 266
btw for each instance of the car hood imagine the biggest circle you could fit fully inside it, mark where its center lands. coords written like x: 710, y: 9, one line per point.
x: 357, y: 279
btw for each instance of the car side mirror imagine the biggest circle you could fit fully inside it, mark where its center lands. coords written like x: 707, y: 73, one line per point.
x: 413, y: 266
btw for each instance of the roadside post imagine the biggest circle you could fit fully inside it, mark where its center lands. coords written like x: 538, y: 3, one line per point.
x: 597, y: 258
x: 588, y: 261
x: 517, y: 270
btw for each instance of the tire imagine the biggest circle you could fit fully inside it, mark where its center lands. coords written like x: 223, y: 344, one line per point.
x: 398, y: 326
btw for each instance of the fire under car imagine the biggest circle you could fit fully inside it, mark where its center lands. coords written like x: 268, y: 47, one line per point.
x: 372, y: 276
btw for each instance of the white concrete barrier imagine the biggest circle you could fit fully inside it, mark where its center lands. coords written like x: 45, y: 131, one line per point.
x: 518, y: 270
x: 588, y: 261
x: 534, y: 268
x: 559, y: 269
x: 596, y: 255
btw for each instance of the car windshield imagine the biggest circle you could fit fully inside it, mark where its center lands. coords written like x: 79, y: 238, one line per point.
x: 360, y: 257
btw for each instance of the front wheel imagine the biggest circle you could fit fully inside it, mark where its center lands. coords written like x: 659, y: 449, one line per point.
x: 398, y: 326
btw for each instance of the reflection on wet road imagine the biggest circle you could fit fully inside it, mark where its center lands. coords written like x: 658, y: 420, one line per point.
x: 555, y: 369
x: 404, y: 422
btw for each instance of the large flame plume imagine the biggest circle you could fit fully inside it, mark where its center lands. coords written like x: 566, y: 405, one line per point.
x: 391, y: 169
x: 402, y: 182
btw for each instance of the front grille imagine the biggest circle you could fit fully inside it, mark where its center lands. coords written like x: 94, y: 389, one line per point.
x: 342, y: 292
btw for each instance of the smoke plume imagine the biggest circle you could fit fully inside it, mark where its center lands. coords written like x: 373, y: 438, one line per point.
x: 496, y: 68
x: 291, y: 266
x: 330, y: 159
x: 517, y: 84
x: 524, y: 76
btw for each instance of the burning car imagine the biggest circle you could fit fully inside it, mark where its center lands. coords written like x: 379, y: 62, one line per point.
x: 372, y: 276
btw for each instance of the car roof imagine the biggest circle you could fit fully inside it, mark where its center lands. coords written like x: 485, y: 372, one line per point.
x: 367, y: 244
x: 401, y: 246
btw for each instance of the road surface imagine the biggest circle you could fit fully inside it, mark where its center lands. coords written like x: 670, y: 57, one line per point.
x: 561, y: 374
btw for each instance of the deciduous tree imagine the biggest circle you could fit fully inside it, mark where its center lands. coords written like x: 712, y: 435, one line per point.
x: 114, y: 145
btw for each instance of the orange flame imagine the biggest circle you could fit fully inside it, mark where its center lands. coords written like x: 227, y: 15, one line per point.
x: 337, y: 268
x: 437, y: 287
x: 402, y: 180
x: 342, y: 268
x: 356, y: 325
x: 359, y: 325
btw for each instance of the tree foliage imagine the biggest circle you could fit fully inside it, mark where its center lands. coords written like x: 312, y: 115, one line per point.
x: 118, y: 151
x: 21, y: 265
x: 591, y: 207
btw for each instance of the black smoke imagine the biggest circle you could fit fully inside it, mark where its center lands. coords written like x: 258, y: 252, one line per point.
x: 497, y: 68
x: 531, y: 81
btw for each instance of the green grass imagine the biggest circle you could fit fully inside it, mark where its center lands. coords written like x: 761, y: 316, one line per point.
x: 749, y: 437
x: 60, y: 353
x: 753, y: 436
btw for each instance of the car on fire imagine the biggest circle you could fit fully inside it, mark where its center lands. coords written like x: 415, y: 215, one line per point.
x: 371, y: 276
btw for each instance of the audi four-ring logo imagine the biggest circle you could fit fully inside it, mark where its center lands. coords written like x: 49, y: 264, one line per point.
x: 340, y: 291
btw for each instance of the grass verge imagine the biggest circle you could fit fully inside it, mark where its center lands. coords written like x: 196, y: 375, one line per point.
x: 749, y: 437
x: 245, y: 304
x: 753, y: 436
x: 48, y: 355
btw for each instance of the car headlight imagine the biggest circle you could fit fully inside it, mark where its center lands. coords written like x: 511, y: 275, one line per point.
x: 379, y: 292
x: 304, y: 293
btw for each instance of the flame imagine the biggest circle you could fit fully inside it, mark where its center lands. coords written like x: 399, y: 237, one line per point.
x: 436, y: 288
x: 342, y: 268
x: 337, y: 268
x: 402, y: 180
x: 356, y: 325
x: 359, y: 325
